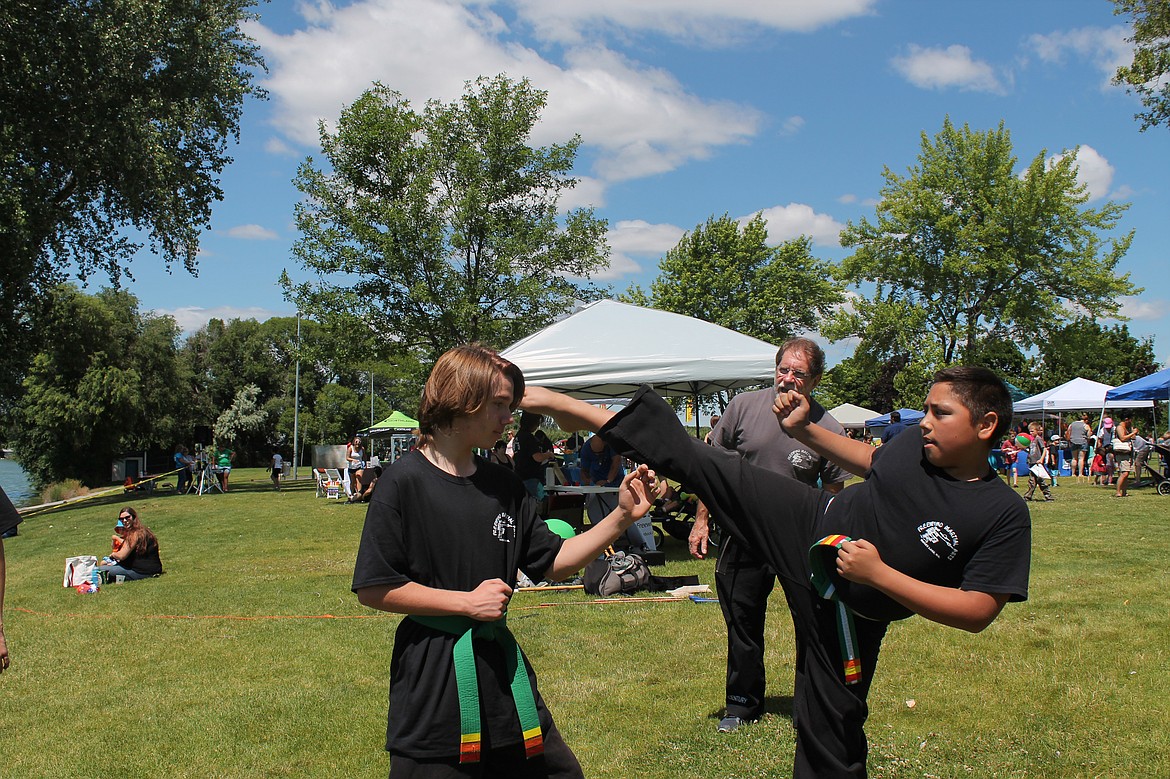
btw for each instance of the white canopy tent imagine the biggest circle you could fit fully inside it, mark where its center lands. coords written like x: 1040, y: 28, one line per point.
x: 1076, y: 395
x: 852, y: 417
x: 608, y: 349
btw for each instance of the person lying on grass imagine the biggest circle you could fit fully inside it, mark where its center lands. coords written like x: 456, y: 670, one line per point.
x: 932, y: 531
x: 444, y: 536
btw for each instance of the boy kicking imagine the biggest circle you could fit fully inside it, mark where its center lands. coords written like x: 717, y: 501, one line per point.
x: 445, y: 534
x: 932, y: 531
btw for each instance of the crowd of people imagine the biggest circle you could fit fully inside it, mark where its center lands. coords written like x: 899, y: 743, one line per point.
x: 1112, y: 454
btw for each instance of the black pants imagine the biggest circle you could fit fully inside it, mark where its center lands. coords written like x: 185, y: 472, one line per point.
x: 744, y: 583
x: 775, y: 516
x: 557, y: 762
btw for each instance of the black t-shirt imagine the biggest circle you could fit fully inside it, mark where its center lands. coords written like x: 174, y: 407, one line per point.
x: 971, y: 535
x: 146, y: 562
x: 9, y: 517
x: 427, y: 526
x: 526, y: 446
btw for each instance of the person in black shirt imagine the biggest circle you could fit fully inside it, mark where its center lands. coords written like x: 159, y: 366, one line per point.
x: 932, y: 531
x: 531, y: 454
x: 444, y: 536
x: 9, y: 518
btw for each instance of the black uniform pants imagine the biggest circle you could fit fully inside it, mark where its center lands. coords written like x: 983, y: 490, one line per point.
x: 775, y: 516
x: 744, y: 583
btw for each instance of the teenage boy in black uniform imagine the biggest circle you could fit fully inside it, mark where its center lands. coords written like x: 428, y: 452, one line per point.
x: 445, y: 534
x: 933, y: 531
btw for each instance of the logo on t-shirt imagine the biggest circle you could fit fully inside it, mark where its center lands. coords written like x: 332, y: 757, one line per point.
x: 803, y: 460
x: 942, y: 542
x: 504, y: 527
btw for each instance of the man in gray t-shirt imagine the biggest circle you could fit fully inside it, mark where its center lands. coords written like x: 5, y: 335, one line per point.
x: 749, y: 427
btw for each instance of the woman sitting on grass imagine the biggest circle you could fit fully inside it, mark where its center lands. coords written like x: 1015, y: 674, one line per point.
x: 138, y: 556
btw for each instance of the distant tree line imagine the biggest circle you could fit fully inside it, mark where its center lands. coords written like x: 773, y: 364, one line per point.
x: 121, y: 380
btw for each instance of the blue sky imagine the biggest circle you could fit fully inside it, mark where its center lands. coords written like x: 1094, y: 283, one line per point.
x: 688, y: 109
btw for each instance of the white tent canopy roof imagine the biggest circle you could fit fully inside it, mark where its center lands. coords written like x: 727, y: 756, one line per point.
x: 851, y: 416
x: 607, y: 349
x: 1076, y: 395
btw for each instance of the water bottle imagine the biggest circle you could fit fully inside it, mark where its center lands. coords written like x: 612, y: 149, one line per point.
x: 95, y: 579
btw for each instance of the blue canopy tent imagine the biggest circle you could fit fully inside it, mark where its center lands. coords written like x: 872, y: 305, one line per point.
x: 1154, y: 387
x: 909, y: 417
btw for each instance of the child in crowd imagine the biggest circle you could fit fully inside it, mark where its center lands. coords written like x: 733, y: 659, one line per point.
x: 1097, y: 467
x: 932, y: 530
x: 444, y: 536
x: 1037, y: 463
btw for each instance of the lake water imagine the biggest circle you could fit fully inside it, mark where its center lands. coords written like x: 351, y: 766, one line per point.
x: 15, y: 482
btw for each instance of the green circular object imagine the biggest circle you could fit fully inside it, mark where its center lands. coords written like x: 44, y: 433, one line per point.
x: 561, y: 528
x: 1023, y: 439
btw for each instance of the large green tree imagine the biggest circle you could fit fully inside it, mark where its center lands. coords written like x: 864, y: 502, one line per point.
x: 726, y: 273
x: 1084, y: 347
x: 434, y: 228
x: 108, y: 387
x: 986, y: 251
x: 116, y: 120
x: 1146, y: 75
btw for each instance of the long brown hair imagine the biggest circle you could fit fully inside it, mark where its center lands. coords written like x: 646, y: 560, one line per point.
x: 461, y: 383
x: 137, y: 535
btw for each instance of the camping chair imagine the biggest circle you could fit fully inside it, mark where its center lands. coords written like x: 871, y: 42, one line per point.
x: 334, y: 482
x: 327, y: 487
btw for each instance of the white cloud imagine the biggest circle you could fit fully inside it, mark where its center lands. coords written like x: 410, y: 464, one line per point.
x: 722, y: 23
x: 280, y: 148
x: 191, y: 318
x: 637, y: 237
x: 1093, y: 170
x: 1106, y: 48
x: 792, y: 125
x: 938, y: 68
x: 637, y: 120
x: 619, y: 265
x: 589, y: 192
x: 640, y: 237
x: 252, y: 233
x: 1143, y: 310
x: 797, y: 219
x: 847, y: 198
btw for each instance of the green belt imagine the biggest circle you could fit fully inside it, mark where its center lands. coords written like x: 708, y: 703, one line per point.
x: 467, y: 683
x: 821, y: 554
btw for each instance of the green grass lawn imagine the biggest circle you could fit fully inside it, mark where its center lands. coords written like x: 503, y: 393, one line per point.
x: 251, y: 658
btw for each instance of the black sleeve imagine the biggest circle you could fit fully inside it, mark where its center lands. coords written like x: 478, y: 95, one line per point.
x: 768, y: 512
x: 9, y: 516
x: 379, y: 557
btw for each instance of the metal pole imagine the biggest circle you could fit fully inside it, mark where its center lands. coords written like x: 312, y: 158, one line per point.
x: 297, y: 403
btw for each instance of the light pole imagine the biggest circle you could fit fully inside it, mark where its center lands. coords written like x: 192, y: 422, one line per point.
x: 297, y: 402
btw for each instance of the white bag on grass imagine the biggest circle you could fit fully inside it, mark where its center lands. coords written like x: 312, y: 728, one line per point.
x: 78, y: 569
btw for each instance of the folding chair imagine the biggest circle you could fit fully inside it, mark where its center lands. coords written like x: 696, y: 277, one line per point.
x: 333, y: 488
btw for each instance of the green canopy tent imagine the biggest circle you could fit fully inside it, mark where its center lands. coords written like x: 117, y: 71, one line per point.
x: 396, y: 422
x: 398, y: 428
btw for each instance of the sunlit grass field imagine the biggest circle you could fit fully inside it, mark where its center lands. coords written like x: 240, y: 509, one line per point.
x: 251, y: 658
